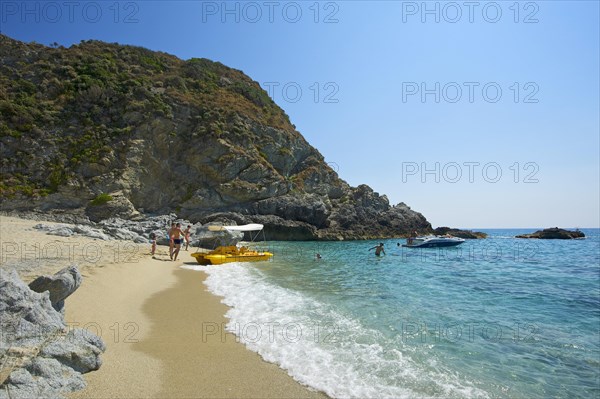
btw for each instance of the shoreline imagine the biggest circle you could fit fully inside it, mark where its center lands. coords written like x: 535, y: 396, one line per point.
x: 150, y: 314
x: 155, y: 337
x: 197, y: 342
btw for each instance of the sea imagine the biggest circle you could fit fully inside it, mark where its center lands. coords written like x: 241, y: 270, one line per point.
x: 492, y: 318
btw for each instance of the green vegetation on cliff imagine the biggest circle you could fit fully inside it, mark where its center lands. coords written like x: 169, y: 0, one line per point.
x: 77, y: 105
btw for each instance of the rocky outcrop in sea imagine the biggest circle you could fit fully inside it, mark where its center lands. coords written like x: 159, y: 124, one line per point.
x: 40, y: 356
x: 466, y: 234
x: 554, y: 233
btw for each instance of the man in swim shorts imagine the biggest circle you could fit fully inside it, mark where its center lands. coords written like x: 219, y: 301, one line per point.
x: 177, y: 237
x: 170, y: 236
x: 378, y: 249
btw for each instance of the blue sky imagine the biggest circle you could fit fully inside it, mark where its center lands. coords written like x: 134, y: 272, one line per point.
x: 481, y: 114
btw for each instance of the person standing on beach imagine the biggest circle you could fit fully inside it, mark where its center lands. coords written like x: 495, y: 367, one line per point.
x: 176, y: 237
x: 153, y: 240
x: 170, y: 236
x: 187, y: 233
x: 378, y: 249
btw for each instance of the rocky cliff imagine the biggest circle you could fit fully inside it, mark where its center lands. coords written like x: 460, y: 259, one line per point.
x: 104, y: 130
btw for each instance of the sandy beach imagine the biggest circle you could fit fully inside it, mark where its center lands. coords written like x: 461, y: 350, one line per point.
x: 162, y: 328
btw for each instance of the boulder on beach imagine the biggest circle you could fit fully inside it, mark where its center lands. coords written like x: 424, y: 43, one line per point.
x: 70, y: 230
x: 59, y: 286
x: 554, y: 233
x: 41, y: 356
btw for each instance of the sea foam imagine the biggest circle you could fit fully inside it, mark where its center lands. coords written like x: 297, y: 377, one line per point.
x: 321, y: 347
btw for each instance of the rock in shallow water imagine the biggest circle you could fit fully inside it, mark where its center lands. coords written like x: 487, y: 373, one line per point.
x: 554, y: 233
x: 467, y: 234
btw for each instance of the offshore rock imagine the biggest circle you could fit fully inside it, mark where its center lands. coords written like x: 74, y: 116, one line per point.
x: 466, y: 234
x: 554, y: 233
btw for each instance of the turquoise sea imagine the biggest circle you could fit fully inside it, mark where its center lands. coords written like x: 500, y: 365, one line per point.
x: 493, y: 318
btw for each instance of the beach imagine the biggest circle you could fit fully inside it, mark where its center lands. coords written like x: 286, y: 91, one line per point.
x: 163, y: 330
x: 485, y: 319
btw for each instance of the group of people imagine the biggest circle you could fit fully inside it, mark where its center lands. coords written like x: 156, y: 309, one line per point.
x: 176, y: 237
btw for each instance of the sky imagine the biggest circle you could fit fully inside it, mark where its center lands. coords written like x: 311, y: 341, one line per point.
x: 477, y: 114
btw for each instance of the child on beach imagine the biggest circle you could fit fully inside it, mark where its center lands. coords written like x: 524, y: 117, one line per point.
x: 187, y: 233
x: 153, y: 240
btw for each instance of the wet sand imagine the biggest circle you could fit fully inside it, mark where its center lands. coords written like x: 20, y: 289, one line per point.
x: 165, y: 338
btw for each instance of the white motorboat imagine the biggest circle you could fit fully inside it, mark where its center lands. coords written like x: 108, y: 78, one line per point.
x: 432, y: 241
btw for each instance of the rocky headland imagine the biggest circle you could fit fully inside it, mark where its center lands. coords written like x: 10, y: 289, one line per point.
x: 467, y: 234
x: 554, y: 233
x: 98, y: 131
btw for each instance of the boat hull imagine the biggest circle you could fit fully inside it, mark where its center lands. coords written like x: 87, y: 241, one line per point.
x: 433, y: 242
x: 219, y: 259
x: 200, y: 258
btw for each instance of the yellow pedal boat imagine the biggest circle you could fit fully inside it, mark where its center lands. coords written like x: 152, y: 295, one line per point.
x: 228, y: 254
